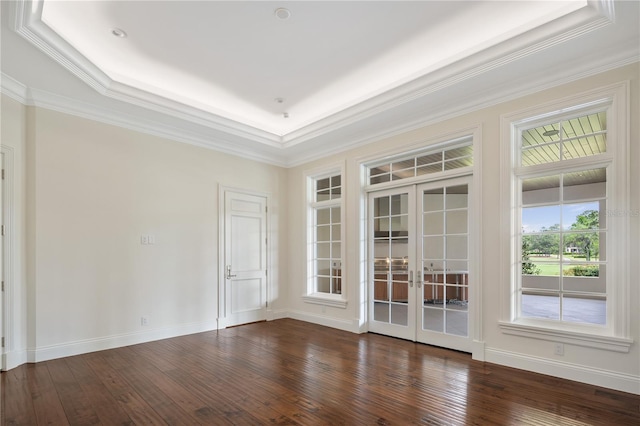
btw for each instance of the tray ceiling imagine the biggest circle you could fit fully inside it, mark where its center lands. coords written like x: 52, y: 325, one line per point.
x: 329, y: 69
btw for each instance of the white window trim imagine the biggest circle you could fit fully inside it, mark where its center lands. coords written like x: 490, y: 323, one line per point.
x: 311, y: 295
x: 616, y: 335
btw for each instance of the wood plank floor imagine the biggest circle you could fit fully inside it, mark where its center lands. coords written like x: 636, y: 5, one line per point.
x: 288, y: 372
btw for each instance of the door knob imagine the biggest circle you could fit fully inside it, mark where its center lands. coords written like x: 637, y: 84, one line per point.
x: 229, y: 276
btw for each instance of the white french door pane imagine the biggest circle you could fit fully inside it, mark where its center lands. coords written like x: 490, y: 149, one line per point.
x: 433, y: 200
x: 433, y: 247
x: 457, y: 197
x: 456, y: 247
x: 457, y: 221
x: 399, y: 314
x: 433, y: 223
x: 433, y: 319
x: 457, y: 323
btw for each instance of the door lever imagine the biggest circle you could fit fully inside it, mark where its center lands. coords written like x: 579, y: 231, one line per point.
x: 229, y: 276
x: 410, y: 278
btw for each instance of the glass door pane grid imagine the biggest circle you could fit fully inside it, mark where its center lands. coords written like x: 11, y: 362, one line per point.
x: 390, y: 216
x: 444, y: 277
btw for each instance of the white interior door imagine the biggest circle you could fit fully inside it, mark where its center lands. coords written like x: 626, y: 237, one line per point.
x: 419, y: 279
x: 245, y: 260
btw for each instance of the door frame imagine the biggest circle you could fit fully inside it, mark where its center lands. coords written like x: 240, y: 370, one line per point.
x: 8, y: 358
x: 221, y: 317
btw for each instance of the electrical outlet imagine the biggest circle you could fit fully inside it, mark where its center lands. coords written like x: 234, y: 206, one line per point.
x: 558, y: 349
x: 151, y: 238
x: 144, y: 321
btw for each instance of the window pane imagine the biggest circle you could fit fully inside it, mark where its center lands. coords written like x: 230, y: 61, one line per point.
x: 585, y: 125
x: 324, y: 284
x: 433, y: 247
x: 540, y: 219
x: 456, y: 247
x: 433, y: 200
x: 432, y: 319
x: 322, y: 216
x: 399, y: 204
x: 336, y: 180
x: 464, y: 151
x: 541, y: 135
x: 539, y: 306
x: 429, y: 159
x: 456, y: 222
x: 323, y: 250
x: 322, y: 184
x: 457, y: 322
x: 380, y: 179
x: 381, y: 207
x: 324, y: 267
x: 458, y: 163
x: 403, y: 164
x: 541, y: 154
x: 582, y: 245
x: 323, y: 233
x: 433, y: 223
x: 335, y: 232
x: 432, y: 168
x: 585, y: 184
x: 581, y: 216
x: 399, y: 314
x: 543, y: 247
x: 335, y: 215
x: 584, y: 310
x: 456, y: 197
x: 323, y: 195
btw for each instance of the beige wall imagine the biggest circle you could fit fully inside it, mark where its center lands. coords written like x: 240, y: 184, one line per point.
x: 537, y: 355
x: 96, y: 189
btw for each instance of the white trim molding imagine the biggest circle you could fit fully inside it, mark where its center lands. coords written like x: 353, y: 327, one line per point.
x: 565, y: 370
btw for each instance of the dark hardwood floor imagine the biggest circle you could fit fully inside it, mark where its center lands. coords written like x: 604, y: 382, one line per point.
x: 289, y: 372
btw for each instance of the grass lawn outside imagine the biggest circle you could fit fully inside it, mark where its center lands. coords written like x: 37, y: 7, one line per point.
x: 548, y: 266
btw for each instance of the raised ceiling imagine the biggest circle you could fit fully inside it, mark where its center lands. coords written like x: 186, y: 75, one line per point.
x: 235, y: 76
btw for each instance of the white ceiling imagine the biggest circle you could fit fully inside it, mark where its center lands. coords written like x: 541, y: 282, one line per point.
x: 348, y: 72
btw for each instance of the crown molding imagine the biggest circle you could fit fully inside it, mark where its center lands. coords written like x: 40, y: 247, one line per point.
x: 14, y: 89
x: 596, y: 15
x: 31, y: 27
x: 27, y: 22
x: 185, y: 133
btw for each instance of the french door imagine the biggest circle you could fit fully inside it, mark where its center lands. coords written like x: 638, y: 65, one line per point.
x: 419, y: 263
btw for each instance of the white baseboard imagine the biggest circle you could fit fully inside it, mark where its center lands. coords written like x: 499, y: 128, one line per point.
x: 346, y: 325
x: 109, y: 342
x: 13, y: 359
x: 593, y: 376
x: 276, y: 314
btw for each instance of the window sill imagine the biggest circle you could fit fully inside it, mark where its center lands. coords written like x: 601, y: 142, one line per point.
x: 608, y: 343
x: 334, y: 300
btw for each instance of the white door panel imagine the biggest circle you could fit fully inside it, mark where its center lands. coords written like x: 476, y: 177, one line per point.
x: 245, y: 260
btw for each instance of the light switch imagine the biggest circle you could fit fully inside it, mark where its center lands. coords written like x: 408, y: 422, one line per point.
x: 144, y: 239
x: 152, y: 239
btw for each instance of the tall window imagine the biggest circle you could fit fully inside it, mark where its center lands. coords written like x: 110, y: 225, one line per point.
x: 325, y: 236
x: 568, y: 264
x: 563, y: 219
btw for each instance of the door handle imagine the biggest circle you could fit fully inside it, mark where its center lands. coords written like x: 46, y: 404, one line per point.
x: 229, y: 276
x: 419, y: 280
x: 410, y: 278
